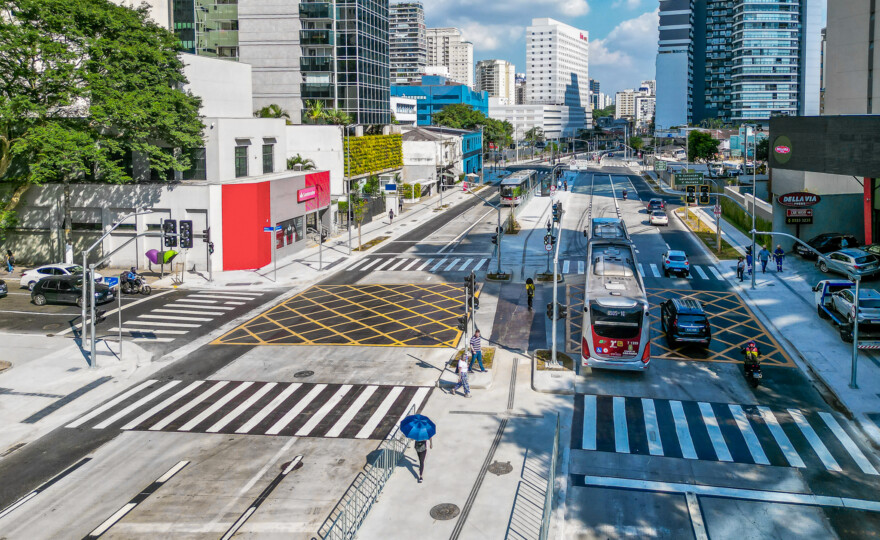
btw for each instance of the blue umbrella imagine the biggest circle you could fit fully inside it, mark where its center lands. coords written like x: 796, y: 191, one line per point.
x: 418, y: 427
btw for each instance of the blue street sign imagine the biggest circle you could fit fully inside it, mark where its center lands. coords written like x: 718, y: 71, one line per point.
x: 390, y: 187
x: 111, y: 281
x: 272, y: 229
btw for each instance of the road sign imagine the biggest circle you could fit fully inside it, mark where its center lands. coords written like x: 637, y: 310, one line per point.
x: 390, y: 187
x: 717, y: 209
x: 659, y: 165
x: 548, y: 247
x: 272, y: 229
x: 688, y: 178
x: 111, y: 281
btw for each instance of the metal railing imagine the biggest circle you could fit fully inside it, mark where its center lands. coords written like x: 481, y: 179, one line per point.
x: 551, y: 486
x: 352, y: 509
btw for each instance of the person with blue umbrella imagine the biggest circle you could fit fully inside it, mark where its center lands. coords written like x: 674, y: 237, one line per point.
x: 421, y: 429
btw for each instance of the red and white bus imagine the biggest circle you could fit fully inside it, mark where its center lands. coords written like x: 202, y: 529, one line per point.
x: 616, y: 329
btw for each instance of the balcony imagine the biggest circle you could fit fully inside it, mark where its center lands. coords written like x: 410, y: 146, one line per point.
x: 315, y: 10
x: 316, y: 63
x: 316, y: 37
x: 316, y: 90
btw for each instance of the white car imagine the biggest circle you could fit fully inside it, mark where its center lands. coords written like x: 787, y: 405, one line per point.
x: 658, y: 217
x: 30, y: 277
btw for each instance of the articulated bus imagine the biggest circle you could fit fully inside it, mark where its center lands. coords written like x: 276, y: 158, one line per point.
x: 515, y: 187
x: 616, y: 330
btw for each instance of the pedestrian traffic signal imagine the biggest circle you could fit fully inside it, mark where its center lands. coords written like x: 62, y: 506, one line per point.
x: 549, y: 227
x: 550, y: 311
x: 186, y: 234
x: 704, y: 194
x: 169, y: 233
x: 494, y: 238
x: 691, y: 194
x: 552, y: 240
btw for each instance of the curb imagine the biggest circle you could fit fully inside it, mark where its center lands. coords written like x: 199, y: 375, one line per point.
x: 566, y: 392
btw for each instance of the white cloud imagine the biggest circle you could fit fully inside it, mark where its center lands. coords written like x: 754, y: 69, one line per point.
x: 627, y: 54
x: 491, y: 37
x: 504, y: 11
x: 629, y: 4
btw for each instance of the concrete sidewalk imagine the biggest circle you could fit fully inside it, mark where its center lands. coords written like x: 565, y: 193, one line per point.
x: 785, y: 304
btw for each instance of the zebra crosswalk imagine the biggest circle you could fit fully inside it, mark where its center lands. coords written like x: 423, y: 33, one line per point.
x: 449, y: 263
x: 649, y: 270
x: 725, y: 432
x: 179, y: 317
x: 353, y: 411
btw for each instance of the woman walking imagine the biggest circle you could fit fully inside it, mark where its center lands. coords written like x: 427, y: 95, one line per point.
x: 422, y: 452
x: 10, y: 261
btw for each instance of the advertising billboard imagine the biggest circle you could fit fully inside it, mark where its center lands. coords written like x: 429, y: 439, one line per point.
x: 847, y: 145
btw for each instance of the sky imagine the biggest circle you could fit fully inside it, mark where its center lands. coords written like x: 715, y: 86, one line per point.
x: 622, y: 33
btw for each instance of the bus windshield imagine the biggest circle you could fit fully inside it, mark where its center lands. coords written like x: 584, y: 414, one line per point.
x: 511, y: 191
x: 616, y: 322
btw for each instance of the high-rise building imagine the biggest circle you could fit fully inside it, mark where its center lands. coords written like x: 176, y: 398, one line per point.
x: 594, y: 94
x: 737, y: 60
x: 206, y: 27
x: 627, y: 103
x: 447, y: 48
x: 649, y: 86
x: 557, y: 60
x: 520, y: 90
x: 408, y: 42
x: 851, y: 60
x: 498, y: 78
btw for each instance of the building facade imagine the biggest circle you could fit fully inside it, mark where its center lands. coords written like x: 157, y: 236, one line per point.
x: 520, y: 88
x: 675, y: 80
x: 556, y: 121
x: 404, y: 110
x: 435, y: 93
x: 497, y: 78
x: 644, y: 111
x: 447, y: 48
x: 557, y: 62
x: 852, y: 63
x: 408, y: 42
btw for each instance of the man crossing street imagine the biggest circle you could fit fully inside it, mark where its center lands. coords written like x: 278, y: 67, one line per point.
x: 476, y: 352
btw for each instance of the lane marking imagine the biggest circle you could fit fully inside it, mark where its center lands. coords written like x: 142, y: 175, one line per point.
x: 174, y: 318
x: 580, y: 267
x: 480, y: 264
x: 717, y: 275
x: 715, y: 435
x: 151, y: 340
x: 261, y: 498
x: 319, y: 415
x: 155, y: 410
x: 814, y: 440
x: 700, y: 272
x: 848, y: 443
x: 294, y: 412
x: 187, y: 312
x: 352, y: 411
x: 652, y: 428
x: 452, y: 265
x: 189, y: 406
x: 742, y: 422
x: 465, y: 265
x: 150, y: 331
x: 621, y: 437
x: 136, y: 405
x: 197, y: 301
x: 187, y: 305
x: 113, y: 311
x: 110, y: 404
x: 655, y: 271
x: 158, y: 323
x: 380, y: 413
x: 589, y: 437
x: 565, y: 266
x: 436, y: 266
x: 235, y: 303
x: 45, y: 485
x: 220, y: 296
x: 356, y: 264
x: 422, y: 267
x: 245, y: 405
x: 685, y: 442
x: 215, y: 407
x: 139, y: 498
x: 781, y: 438
x: 700, y: 532
x: 641, y: 270
x: 267, y: 410
x: 248, y: 295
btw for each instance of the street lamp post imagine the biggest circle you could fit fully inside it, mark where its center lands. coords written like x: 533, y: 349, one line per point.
x: 855, y: 350
x: 348, y: 184
x: 754, y: 205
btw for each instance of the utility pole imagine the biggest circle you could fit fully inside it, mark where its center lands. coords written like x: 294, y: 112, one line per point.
x: 855, y: 350
x: 754, y: 206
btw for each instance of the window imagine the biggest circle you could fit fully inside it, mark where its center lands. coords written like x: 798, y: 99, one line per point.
x: 241, y: 165
x: 196, y: 169
x: 268, y: 158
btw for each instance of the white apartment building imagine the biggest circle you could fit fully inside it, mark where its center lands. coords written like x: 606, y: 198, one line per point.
x: 650, y: 85
x: 498, y: 78
x: 404, y: 110
x: 447, y: 48
x: 557, y: 60
x: 625, y: 103
x: 644, y: 110
x: 557, y: 121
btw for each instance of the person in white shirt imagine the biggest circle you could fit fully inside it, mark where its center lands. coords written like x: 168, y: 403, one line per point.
x: 463, y: 376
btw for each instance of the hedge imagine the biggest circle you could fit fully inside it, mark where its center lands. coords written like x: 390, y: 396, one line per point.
x: 372, y: 153
x: 743, y: 221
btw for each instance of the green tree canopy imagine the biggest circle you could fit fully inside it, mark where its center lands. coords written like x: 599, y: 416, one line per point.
x: 272, y: 111
x: 461, y: 116
x: 762, y: 150
x: 607, y: 111
x: 636, y: 142
x: 701, y: 146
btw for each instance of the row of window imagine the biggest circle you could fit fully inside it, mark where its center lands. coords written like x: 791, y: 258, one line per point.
x: 241, y: 160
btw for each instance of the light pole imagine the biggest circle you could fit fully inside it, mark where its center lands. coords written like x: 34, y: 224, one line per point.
x: 855, y: 350
x: 350, y: 212
x: 754, y: 206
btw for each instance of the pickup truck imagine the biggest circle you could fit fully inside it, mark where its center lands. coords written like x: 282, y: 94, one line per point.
x: 835, y: 301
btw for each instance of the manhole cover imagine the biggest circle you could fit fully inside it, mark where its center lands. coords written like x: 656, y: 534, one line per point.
x: 445, y: 511
x: 497, y: 468
x: 303, y: 374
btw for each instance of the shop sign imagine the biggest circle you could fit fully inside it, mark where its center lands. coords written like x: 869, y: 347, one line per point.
x: 799, y: 216
x: 306, y: 194
x: 798, y: 199
x: 782, y: 149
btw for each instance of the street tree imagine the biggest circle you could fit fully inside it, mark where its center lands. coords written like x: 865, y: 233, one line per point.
x: 314, y: 112
x: 762, y: 150
x: 85, y: 84
x: 459, y: 116
x: 701, y: 146
x: 533, y: 137
x: 636, y: 143
x: 338, y: 117
x: 304, y: 164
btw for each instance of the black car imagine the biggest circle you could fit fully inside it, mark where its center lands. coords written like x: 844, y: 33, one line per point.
x: 66, y: 290
x: 3, y: 288
x: 683, y: 320
x: 826, y: 243
x: 656, y: 204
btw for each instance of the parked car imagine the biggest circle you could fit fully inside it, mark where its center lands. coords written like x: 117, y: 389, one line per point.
x: 30, y: 277
x: 826, y: 243
x: 676, y: 262
x: 66, y: 290
x: 656, y: 204
x: 683, y: 320
x: 873, y: 249
x: 869, y: 305
x: 4, y: 289
x: 658, y: 217
x: 849, y: 262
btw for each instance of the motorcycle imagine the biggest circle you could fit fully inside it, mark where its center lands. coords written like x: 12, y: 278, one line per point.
x: 139, y: 285
x: 752, y: 367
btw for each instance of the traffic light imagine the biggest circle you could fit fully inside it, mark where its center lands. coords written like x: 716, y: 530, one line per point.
x: 462, y: 321
x: 495, y: 239
x: 186, y: 234
x: 206, y: 235
x: 550, y: 311
x: 691, y: 194
x: 557, y: 212
x: 549, y: 228
x: 704, y: 194
x: 169, y: 232
x: 552, y: 240
x: 562, y: 311
x: 210, y: 248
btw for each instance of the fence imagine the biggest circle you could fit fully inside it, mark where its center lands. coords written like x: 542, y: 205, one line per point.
x: 551, y: 485
x: 349, y: 514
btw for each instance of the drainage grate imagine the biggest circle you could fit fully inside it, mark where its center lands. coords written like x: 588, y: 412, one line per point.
x: 497, y: 468
x: 303, y: 374
x: 445, y: 511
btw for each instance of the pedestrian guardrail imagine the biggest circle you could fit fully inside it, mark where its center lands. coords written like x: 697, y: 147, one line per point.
x: 551, y: 485
x: 352, y: 509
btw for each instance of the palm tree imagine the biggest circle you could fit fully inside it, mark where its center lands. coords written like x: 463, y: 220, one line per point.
x: 534, y: 136
x: 314, y: 112
x: 272, y: 111
x: 338, y: 117
x: 303, y: 164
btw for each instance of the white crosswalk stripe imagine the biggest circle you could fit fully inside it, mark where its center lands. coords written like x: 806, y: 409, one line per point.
x: 565, y: 265
x: 375, y: 261
x: 580, y: 267
x: 356, y: 264
x: 410, y: 265
x: 655, y: 270
x: 723, y: 432
x: 400, y: 263
x: 452, y: 265
x: 259, y: 408
x: 480, y: 265
x: 641, y: 270
x: 434, y: 269
x: 139, y: 322
x: 420, y: 268
x: 383, y: 265
x: 716, y: 273
x: 700, y: 272
x: 186, y: 312
x: 175, y: 318
x: 150, y: 331
x: 465, y: 265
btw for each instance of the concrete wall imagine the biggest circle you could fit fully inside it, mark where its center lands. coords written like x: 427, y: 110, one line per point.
x: 785, y: 181
x: 222, y: 135
x: 834, y: 213
x: 323, y: 145
x: 420, y: 162
x: 764, y: 209
x: 225, y: 87
x: 846, y: 62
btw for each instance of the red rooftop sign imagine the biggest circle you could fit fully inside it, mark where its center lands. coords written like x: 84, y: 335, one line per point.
x: 798, y: 199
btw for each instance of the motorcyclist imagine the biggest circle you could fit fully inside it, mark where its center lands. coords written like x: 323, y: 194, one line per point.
x: 751, y: 353
x: 530, y: 291
x: 131, y: 277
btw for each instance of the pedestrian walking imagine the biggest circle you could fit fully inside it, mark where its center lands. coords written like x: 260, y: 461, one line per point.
x: 779, y: 254
x: 565, y: 185
x: 476, y: 352
x: 422, y: 452
x: 463, y: 376
x: 391, y: 216
x: 740, y: 268
x: 530, y: 291
x: 764, y: 256
x: 749, y: 260
x: 10, y: 261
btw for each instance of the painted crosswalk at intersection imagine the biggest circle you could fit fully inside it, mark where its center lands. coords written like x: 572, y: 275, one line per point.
x: 258, y: 408
x: 419, y: 264
x: 725, y: 432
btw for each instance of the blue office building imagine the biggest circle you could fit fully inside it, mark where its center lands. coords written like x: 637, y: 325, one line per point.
x: 471, y: 147
x: 436, y: 92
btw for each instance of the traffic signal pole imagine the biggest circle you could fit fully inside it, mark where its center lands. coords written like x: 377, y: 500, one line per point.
x: 499, y: 230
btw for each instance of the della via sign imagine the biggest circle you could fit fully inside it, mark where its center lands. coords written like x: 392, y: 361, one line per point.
x: 799, y: 199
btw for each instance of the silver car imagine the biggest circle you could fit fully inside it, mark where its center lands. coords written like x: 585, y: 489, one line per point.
x: 854, y: 262
x: 869, y: 305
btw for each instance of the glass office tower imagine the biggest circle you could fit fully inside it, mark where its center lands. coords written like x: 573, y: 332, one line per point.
x: 207, y: 27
